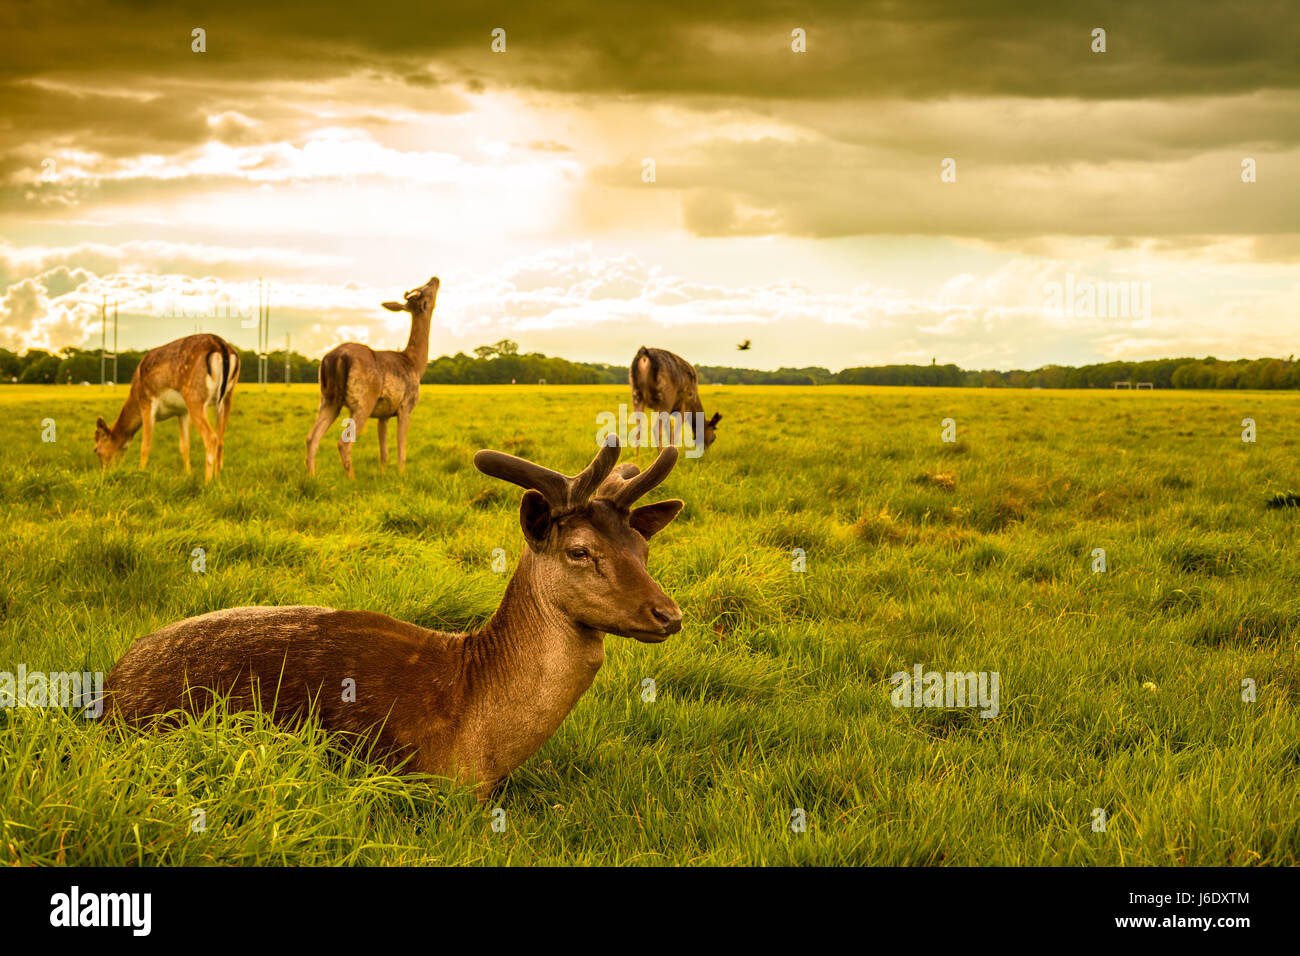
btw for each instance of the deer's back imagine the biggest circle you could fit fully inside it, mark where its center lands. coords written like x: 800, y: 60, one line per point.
x: 661, y: 379
x: 361, y: 672
x: 357, y: 376
x: 181, y: 364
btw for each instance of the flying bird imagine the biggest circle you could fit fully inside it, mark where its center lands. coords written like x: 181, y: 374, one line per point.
x: 743, y: 346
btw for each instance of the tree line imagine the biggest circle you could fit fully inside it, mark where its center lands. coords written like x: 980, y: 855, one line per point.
x: 502, y: 363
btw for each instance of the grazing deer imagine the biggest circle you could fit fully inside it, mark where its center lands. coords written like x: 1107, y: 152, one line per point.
x: 665, y: 383
x: 375, y: 384
x: 177, y: 380
x: 472, y: 706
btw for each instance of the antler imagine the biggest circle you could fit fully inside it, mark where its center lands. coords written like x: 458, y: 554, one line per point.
x: 560, y: 491
x: 628, y: 483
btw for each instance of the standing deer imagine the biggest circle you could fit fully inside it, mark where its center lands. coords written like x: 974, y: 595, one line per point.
x: 665, y: 383
x: 375, y: 384
x: 179, y: 379
x: 471, y: 706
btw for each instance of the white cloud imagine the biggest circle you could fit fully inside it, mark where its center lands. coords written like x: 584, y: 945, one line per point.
x: 574, y: 302
x: 29, y: 319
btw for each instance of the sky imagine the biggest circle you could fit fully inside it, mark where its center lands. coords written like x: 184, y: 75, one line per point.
x: 841, y: 183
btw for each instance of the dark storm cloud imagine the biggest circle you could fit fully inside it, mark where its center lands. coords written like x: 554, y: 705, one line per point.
x: 114, y: 126
x: 120, y: 79
x: 920, y: 48
x: 1011, y: 88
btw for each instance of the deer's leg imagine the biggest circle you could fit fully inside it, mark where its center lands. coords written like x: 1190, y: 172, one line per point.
x: 358, y: 414
x: 199, y: 415
x: 184, y: 421
x: 146, y: 432
x: 223, y: 416
x: 325, y: 416
x: 382, y: 426
x: 637, y: 406
x: 688, y: 421
x: 403, y: 423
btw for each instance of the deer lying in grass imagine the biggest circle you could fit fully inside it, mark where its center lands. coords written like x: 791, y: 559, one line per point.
x: 472, y: 706
x: 375, y: 384
x: 665, y: 383
x: 177, y: 380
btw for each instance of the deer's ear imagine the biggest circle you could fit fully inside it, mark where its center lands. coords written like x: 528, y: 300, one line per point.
x: 649, y: 520
x: 535, y: 517
x: 715, y: 419
x: 395, y: 306
x: 101, y: 427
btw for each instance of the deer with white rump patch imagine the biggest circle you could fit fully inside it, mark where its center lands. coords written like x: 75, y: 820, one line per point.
x: 178, y: 380
x: 377, y: 385
x: 473, y: 706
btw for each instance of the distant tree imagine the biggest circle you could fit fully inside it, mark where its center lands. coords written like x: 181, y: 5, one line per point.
x: 10, y: 365
x: 1051, y: 376
x: 501, y: 362
x: 1271, y: 373
x: 82, y: 365
x: 39, y: 368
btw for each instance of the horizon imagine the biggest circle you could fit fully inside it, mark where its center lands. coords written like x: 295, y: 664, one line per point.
x: 991, y: 192
x: 1286, y: 362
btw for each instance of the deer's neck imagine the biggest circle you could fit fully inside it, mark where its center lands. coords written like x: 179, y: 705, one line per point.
x: 417, y: 346
x: 526, y: 669
x: 129, y: 420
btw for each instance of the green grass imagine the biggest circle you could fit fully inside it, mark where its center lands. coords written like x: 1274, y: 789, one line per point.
x: 968, y: 556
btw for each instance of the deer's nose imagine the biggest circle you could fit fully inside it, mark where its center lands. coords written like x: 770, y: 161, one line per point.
x: 668, y: 617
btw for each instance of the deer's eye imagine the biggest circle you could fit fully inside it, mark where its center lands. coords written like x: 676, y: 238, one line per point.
x: 578, y: 554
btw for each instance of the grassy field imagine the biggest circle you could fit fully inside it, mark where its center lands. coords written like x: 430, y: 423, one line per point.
x: 1120, y: 690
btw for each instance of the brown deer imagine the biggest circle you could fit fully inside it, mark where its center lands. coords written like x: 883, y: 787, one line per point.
x: 374, y: 384
x: 177, y: 380
x: 471, y: 706
x: 665, y: 383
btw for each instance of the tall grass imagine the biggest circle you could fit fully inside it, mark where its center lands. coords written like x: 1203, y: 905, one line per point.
x: 1120, y: 690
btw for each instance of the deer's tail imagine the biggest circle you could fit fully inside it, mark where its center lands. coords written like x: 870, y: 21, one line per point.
x: 229, y: 366
x: 639, y: 380
x: 228, y: 363
x: 334, y: 369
